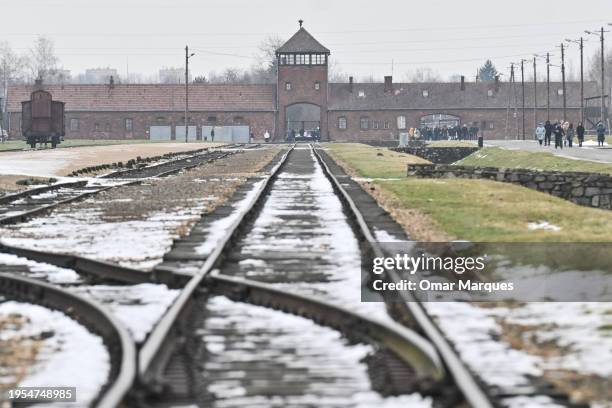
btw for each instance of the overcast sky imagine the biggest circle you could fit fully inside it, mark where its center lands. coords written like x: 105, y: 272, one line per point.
x: 364, y: 36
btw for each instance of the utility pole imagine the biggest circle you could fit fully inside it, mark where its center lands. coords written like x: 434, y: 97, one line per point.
x: 548, y: 86
x: 563, y: 80
x: 603, y: 69
x: 186, y: 91
x: 535, y: 94
x: 523, y: 95
x: 603, y: 101
x: 187, y: 56
x: 580, y: 43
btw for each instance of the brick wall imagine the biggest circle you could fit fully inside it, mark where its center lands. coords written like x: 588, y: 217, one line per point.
x: 494, y: 117
x: 112, y: 124
x: 302, y: 79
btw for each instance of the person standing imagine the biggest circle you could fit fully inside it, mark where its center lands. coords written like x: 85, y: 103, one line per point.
x: 569, y: 134
x: 601, y: 134
x: 548, y: 133
x: 212, y: 134
x: 558, y: 131
x: 580, y: 133
x: 539, y: 133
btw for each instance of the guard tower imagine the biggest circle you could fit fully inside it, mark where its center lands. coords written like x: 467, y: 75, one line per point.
x: 302, y: 86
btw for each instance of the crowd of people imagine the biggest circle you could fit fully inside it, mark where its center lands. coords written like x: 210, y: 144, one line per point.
x: 564, y: 133
x: 455, y: 132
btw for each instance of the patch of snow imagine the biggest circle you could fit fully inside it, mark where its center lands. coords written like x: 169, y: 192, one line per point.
x: 323, y: 368
x: 543, y: 225
x: 49, y: 273
x: 138, y: 307
x: 131, y: 243
x: 71, y: 357
x: 217, y: 229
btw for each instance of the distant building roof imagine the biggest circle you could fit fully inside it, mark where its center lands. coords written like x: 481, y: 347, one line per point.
x: 302, y: 41
x: 446, y: 96
x: 152, y: 97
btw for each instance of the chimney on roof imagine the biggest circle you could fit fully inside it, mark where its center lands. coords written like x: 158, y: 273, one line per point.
x: 351, y: 84
x: 496, y: 83
x: 388, y: 83
x: 462, y: 83
x: 38, y: 84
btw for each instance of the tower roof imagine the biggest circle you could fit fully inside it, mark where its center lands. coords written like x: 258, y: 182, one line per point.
x: 302, y: 41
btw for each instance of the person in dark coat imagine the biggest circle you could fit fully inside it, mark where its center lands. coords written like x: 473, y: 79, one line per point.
x: 580, y: 133
x: 601, y: 134
x: 548, y: 129
x: 464, y: 132
x: 558, y: 131
x: 212, y: 134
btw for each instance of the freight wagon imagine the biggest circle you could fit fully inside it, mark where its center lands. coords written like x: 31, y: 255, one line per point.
x: 42, y: 119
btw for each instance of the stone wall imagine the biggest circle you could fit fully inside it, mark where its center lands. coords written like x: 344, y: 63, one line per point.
x: 588, y: 189
x: 438, y: 155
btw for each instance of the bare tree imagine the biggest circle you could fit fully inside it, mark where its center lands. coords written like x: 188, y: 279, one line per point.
x: 42, y: 60
x: 11, y: 65
x: 424, y: 74
x: 265, y: 71
x: 593, y: 69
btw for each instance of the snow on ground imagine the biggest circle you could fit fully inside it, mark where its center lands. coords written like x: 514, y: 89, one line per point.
x: 58, y: 162
x: 217, y: 229
x: 321, y: 368
x: 132, y: 243
x: 542, y: 225
x: 138, y: 307
x: 330, y: 238
x: 49, y: 273
x: 70, y: 355
x: 475, y: 333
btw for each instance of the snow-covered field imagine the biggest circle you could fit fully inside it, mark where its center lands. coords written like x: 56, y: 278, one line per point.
x: 68, y: 355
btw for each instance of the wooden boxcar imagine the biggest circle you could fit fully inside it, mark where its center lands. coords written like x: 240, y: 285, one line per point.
x: 42, y: 119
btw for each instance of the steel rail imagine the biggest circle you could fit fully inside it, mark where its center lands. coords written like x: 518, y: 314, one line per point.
x: 6, y: 199
x: 99, y: 269
x: 461, y: 375
x: 409, y: 346
x: 157, y: 348
x: 92, y: 315
x: 22, y: 216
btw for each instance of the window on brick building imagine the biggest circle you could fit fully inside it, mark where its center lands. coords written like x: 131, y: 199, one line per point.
x: 375, y: 124
x: 107, y: 127
x: 162, y: 119
x: 97, y: 127
x: 129, y: 124
x: 364, y: 123
x: 302, y: 59
x: 287, y: 86
x: 74, y: 124
x: 386, y: 124
x: 342, y: 123
x: 425, y: 93
x: 401, y: 122
x: 211, y: 119
x: 238, y: 119
x: 317, y: 85
x: 318, y: 59
x: 491, y: 125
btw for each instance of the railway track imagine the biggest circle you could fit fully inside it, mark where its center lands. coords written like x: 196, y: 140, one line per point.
x: 18, y: 207
x: 192, y: 358
x: 94, y: 317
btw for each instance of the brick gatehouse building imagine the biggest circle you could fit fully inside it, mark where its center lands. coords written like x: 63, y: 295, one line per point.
x: 302, y: 99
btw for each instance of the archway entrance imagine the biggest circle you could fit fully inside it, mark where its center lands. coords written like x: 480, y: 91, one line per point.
x: 303, y: 121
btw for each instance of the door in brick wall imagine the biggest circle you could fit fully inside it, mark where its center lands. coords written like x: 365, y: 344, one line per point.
x: 179, y: 131
x: 160, y: 132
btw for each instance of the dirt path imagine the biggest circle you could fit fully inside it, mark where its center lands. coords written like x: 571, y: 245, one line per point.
x: 60, y: 162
